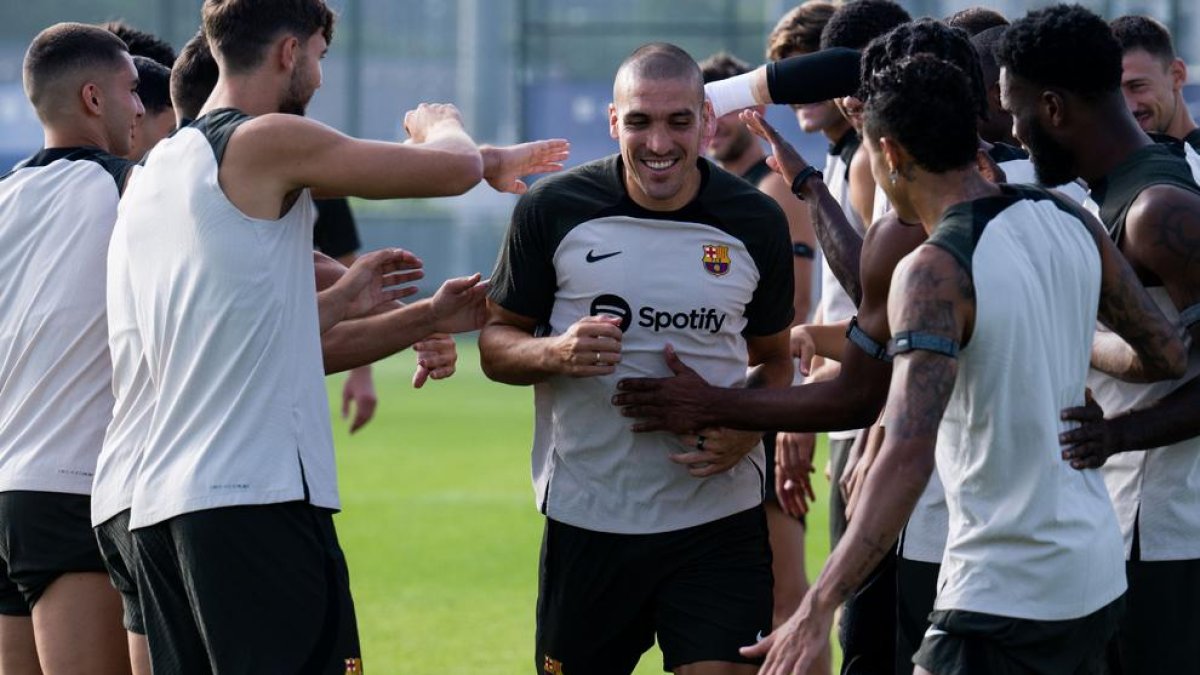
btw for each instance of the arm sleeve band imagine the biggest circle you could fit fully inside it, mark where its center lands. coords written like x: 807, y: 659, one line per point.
x: 1190, y: 316
x: 732, y: 93
x: 803, y: 250
x: 812, y: 78
x: 909, y: 341
x: 867, y: 343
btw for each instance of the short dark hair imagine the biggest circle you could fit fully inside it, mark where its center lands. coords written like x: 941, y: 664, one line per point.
x: 722, y: 66
x: 985, y: 43
x: 1065, y: 47
x: 154, y: 84
x: 975, y: 20
x: 921, y: 102
x: 193, y: 77
x: 925, y: 36
x: 62, y: 49
x: 240, y: 30
x: 1142, y: 32
x: 799, y: 31
x: 141, y: 43
x: 662, y: 61
x: 855, y: 24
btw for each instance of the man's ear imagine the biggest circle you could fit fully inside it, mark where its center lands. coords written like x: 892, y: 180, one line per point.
x: 92, y: 98
x: 613, y: 121
x: 1179, y: 74
x: 708, y: 124
x: 289, y: 52
x: 1053, y: 106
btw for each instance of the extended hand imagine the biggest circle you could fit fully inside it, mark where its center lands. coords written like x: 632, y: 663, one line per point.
x: 675, y: 404
x: 503, y: 167
x: 793, y: 471
x: 784, y: 159
x: 437, y: 356
x: 1094, y: 441
x: 804, y: 348
x: 378, y: 277
x: 419, y: 121
x: 458, y: 306
x: 796, y: 645
x: 720, y: 450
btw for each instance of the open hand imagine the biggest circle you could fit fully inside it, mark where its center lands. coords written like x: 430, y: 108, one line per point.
x: 793, y: 471
x: 716, y: 450
x: 376, y: 278
x: 1095, y: 440
x: 359, y: 393
x: 797, y: 644
x: 676, y: 404
x: 458, y: 305
x: 785, y: 159
x: 504, y: 166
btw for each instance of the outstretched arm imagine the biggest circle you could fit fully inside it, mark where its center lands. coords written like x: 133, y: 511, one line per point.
x: 933, y: 295
x: 840, y: 243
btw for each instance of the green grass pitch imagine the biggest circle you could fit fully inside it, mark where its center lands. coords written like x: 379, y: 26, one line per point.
x: 440, y: 528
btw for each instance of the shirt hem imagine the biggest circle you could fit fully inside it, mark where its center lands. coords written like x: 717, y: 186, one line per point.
x: 140, y: 518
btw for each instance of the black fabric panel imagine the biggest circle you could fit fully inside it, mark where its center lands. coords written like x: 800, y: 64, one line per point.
x: 1193, y: 139
x: 218, y: 126
x: 755, y: 174
x: 335, y: 233
x: 117, y: 167
x: 816, y: 77
x: 1155, y: 164
x: 1001, y: 153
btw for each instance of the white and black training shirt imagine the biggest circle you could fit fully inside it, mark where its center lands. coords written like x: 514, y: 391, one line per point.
x: 57, y: 211
x: 702, y: 279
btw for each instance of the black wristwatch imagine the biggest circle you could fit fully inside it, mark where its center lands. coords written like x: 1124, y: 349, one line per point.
x: 805, y: 173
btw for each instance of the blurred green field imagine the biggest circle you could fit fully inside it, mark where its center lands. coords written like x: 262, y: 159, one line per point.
x: 440, y: 527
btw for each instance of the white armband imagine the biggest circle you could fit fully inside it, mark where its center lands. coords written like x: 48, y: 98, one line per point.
x: 731, y: 94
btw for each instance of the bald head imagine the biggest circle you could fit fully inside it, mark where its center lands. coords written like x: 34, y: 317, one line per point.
x: 63, y: 58
x: 655, y: 62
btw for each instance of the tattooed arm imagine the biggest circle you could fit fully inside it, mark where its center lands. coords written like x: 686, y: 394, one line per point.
x: 1162, y: 245
x: 931, y: 293
x: 840, y: 243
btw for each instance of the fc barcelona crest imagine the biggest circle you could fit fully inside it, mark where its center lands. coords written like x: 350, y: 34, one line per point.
x: 716, y: 259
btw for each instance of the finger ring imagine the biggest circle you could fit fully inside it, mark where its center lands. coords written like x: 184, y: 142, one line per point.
x: 597, y: 358
x: 700, y: 442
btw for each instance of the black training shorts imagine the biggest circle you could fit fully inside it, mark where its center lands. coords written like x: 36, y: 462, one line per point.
x: 43, y: 535
x: 247, y: 589
x: 704, y: 591
x: 116, y: 546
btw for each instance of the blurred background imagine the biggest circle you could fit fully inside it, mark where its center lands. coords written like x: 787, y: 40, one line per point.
x: 518, y: 69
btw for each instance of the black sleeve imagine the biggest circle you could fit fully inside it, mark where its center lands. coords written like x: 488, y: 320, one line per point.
x: 334, y: 233
x: 524, y: 281
x: 771, y: 308
x: 816, y: 77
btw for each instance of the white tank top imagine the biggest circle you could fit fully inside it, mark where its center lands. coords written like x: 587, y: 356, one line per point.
x: 835, y: 304
x: 227, y: 313
x: 1158, y: 490
x: 57, y: 211
x: 133, y: 393
x: 1029, y: 536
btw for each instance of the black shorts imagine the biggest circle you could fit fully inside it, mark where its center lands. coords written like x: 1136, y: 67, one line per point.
x: 916, y: 589
x: 247, y: 589
x: 1160, y: 631
x: 704, y: 591
x: 116, y: 546
x: 867, y: 632
x: 769, y: 494
x: 971, y: 643
x: 43, y: 535
x: 839, y: 452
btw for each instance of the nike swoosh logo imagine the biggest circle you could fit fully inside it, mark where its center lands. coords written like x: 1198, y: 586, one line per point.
x: 592, y: 257
x: 760, y: 637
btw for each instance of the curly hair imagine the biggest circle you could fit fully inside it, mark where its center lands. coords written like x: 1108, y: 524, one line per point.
x: 141, y: 43
x: 921, y: 102
x: 925, y: 36
x: 1065, y: 47
x: 799, y: 31
x: 975, y: 20
x: 856, y: 23
x: 1142, y: 32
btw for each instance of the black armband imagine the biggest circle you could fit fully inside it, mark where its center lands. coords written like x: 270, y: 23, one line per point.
x: 807, y: 172
x: 803, y: 250
x: 867, y: 343
x: 816, y: 77
x: 1190, y: 316
x: 913, y: 340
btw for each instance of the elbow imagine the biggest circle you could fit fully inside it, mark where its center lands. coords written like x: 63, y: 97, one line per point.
x: 869, y: 404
